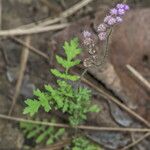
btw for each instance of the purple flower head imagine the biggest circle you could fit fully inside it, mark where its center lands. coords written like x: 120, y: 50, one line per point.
x: 107, y: 18
x: 120, y: 6
x: 111, y: 21
x: 121, y: 11
x: 102, y: 36
x: 86, y: 34
x: 87, y: 41
x: 119, y: 19
x: 102, y: 27
x: 126, y: 7
x: 114, y: 11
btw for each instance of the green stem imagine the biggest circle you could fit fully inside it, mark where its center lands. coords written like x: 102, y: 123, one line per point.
x: 66, y: 71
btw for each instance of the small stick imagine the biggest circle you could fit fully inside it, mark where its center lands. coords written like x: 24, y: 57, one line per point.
x: 124, y: 1
x: 116, y: 101
x: 139, y: 76
x: 147, y: 85
x: 34, y: 30
x: 31, y: 48
x: 52, y: 6
x: 0, y: 14
x: 60, y: 125
x: 63, y: 15
x: 136, y: 142
x: 58, y: 145
x: 24, y: 59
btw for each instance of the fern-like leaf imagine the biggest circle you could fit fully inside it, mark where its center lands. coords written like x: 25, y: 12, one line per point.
x: 72, y: 49
x: 64, y: 76
x: 44, y: 99
x: 67, y: 63
x: 32, y: 107
x: 42, y: 133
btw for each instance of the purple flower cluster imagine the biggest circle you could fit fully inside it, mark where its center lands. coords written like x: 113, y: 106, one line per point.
x: 87, y: 38
x: 114, y: 17
x: 89, y: 42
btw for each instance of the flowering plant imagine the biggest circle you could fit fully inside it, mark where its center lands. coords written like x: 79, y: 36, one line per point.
x: 104, y: 31
x: 75, y: 101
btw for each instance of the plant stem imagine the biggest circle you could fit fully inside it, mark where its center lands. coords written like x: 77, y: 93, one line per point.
x: 106, y: 49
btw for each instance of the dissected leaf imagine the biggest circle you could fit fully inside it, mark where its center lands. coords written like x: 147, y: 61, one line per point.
x: 94, y: 108
x: 72, y: 49
x: 32, y: 107
x: 67, y: 63
x: 64, y: 76
x: 81, y: 143
x: 44, y: 99
x: 41, y: 133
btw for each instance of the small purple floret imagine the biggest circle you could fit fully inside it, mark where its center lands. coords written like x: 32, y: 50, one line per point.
x: 119, y: 19
x: 86, y: 34
x: 107, y: 18
x: 121, y: 11
x: 114, y: 11
x: 111, y: 21
x: 120, y: 6
x: 102, y: 27
x: 102, y: 36
x: 126, y: 7
x: 87, y: 41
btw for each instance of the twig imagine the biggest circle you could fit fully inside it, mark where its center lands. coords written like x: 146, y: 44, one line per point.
x: 34, y: 30
x: 63, y: 4
x: 4, y: 54
x: 136, y: 142
x: 124, y: 1
x: 31, y: 48
x: 52, y: 6
x: 60, y: 125
x: 58, y: 145
x: 147, y: 85
x: 24, y: 58
x: 139, y: 76
x: 75, y: 8
x: 63, y: 15
x: 0, y: 14
x: 116, y: 101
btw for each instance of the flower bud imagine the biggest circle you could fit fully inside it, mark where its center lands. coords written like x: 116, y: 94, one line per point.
x: 102, y: 27
x: 102, y: 36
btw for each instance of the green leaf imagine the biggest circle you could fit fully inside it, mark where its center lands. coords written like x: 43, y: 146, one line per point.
x: 36, y: 131
x: 66, y: 63
x: 44, y: 99
x: 81, y: 143
x: 41, y: 132
x: 94, y: 108
x: 26, y: 127
x: 58, y: 99
x: 64, y: 76
x: 59, y: 133
x: 72, y: 49
x: 65, y: 107
x: 49, y: 88
x: 41, y: 137
x: 50, y: 141
x: 32, y: 107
